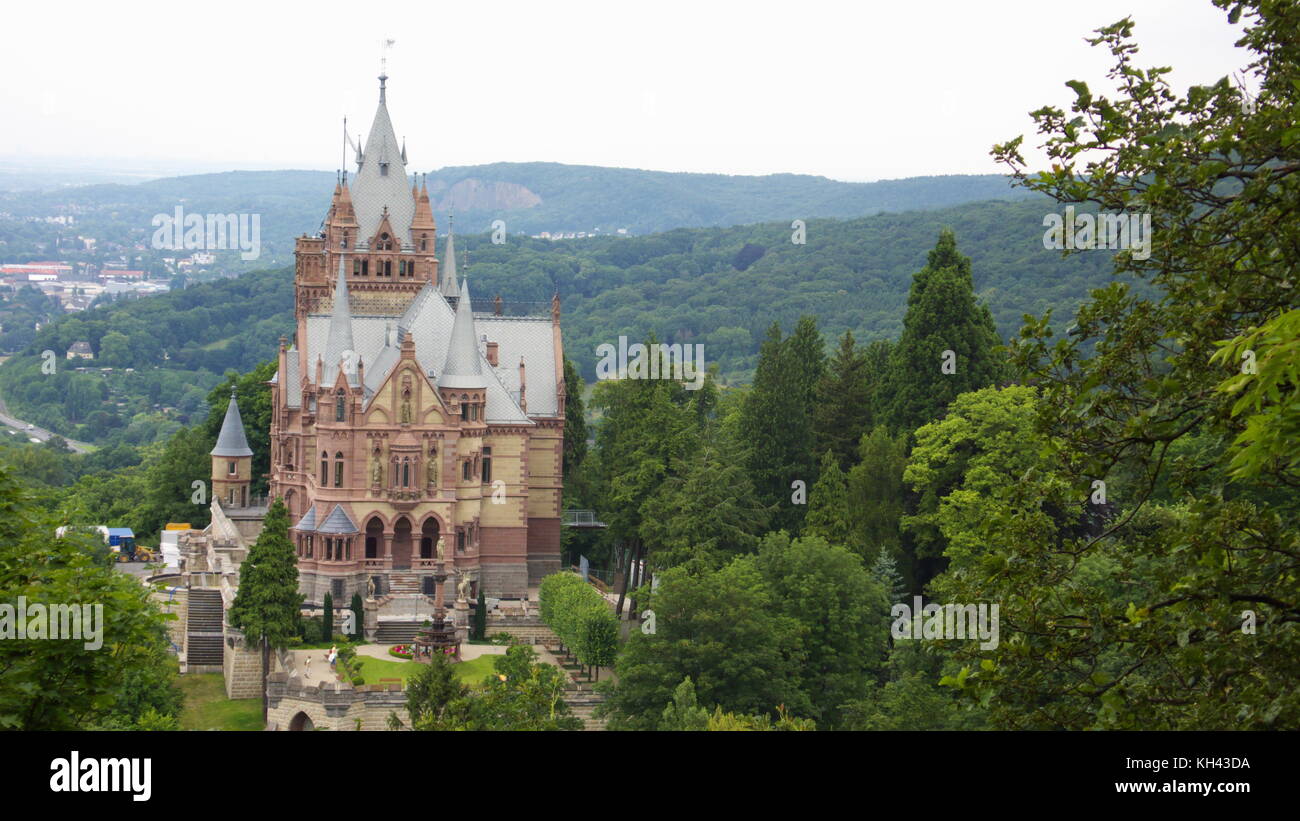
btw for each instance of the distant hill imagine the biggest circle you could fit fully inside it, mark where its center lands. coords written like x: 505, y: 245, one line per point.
x: 529, y: 197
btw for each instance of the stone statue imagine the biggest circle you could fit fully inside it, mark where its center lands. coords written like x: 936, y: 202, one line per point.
x: 370, y: 588
x: 442, y: 548
x: 406, y: 409
x: 432, y: 469
x: 462, y: 589
x: 376, y: 470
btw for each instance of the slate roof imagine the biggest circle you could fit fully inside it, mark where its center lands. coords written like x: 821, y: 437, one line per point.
x: 232, y: 441
x: 373, y: 190
x: 338, y: 523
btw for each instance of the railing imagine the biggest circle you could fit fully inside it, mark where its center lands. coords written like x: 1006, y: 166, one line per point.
x: 580, y: 517
x: 511, y: 307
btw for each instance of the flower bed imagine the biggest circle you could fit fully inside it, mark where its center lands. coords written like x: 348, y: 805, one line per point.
x: 401, y: 651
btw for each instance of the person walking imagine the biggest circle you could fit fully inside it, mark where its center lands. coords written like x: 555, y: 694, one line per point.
x: 333, y: 656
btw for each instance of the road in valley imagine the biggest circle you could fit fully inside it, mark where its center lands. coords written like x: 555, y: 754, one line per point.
x: 32, y: 432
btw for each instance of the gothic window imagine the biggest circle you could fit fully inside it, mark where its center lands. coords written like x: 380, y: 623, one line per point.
x: 388, y: 268
x: 310, y: 547
x: 324, y: 469
x: 233, y: 470
x: 424, y: 242
x: 344, y: 243
x: 473, y: 413
x: 347, y: 549
x: 487, y: 466
x: 383, y: 169
x: 428, y: 538
x: 338, y: 469
x: 374, y: 532
x: 340, y: 407
x: 406, y: 471
x: 464, y: 408
x: 465, y: 470
x: 385, y: 243
x: 460, y: 540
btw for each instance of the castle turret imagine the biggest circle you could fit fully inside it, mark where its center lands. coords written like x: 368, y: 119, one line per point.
x: 232, y: 460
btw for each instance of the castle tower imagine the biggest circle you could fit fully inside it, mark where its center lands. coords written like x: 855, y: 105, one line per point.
x: 232, y: 460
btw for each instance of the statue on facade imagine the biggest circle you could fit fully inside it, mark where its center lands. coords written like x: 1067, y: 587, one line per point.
x: 370, y: 588
x: 442, y: 548
x: 432, y: 469
x: 406, y: 409
x: 462, y: 589
x: 376, y: 470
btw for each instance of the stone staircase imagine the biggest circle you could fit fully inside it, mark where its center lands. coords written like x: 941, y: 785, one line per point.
x: 390, y: 631
x: 584, y: 705
x: 204, y: 643
x: 403, y: 584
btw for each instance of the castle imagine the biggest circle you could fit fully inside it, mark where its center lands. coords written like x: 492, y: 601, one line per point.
x: 406, y: 426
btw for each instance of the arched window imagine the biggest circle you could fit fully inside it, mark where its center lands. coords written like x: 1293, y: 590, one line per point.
x: 344, y: 243
x: 487, y: 466
x: 340, y: 407
x: 424, y: 242
x: 338, y: 469
x: 406, y: 471
x: 460, y: 540
x: 428, y: 538
x: 374, y: 532
x: 464, y: 408
x: 465, y: 470
x: 324, y: 468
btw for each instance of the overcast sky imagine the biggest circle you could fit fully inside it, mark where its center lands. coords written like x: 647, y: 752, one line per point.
x: 849, y: 90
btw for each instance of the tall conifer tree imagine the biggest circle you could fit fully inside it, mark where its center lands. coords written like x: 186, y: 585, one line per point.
x: 942, y: 316
x: 266, y: 605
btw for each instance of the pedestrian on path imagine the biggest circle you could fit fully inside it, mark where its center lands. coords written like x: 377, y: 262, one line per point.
x: 333, y: 656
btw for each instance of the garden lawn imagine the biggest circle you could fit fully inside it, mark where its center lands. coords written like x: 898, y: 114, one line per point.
x: 207, y: 708
x: 470, y: 672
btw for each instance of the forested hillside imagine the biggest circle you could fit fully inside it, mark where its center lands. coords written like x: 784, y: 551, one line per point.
x: 719, y: 287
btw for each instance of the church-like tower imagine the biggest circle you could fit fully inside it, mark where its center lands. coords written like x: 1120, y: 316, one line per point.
x: 401, y: 416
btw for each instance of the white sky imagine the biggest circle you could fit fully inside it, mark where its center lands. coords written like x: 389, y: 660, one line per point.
x: 850, y: 90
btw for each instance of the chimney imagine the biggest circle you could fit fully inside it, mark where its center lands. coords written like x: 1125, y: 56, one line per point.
x: 491, y: 352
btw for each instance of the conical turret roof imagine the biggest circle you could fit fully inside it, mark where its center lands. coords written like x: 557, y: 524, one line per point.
x: 463, y: 368
x: 232, y: 441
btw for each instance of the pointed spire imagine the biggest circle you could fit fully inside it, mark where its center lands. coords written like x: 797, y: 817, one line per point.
x: 232, y: 441
x: 403, y: 151
x: 449, y: 287
x: 338, y: 346
x: 462, y: 369
x: 381, y: 179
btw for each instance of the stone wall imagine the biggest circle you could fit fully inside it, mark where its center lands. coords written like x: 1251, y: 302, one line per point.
x: 332, y: 706
x: 242, y: 666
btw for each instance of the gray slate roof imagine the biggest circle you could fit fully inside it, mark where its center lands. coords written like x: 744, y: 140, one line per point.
x: 307, y: 523
x: 338, y: 523
x: 338, y: 346
x: 462, y: 370
x: 232, y: 441
x: 372, y: 190
x: 449, y: 287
